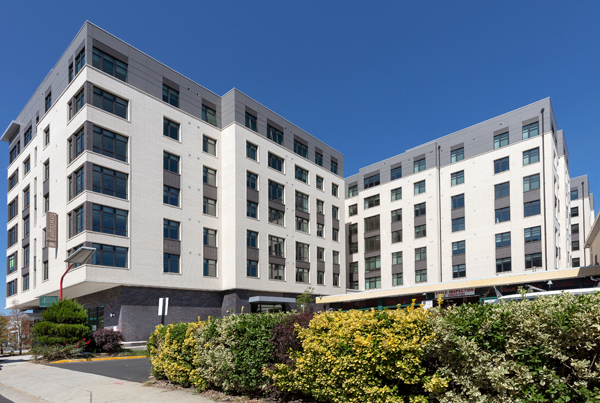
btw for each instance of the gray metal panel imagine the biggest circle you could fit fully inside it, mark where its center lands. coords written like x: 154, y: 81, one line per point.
x: 25, y: 211
x: 25, y: 270
x: 457, y: 146
x: 372, y: 254
x: 111, y: 52
x: 277, y: 260
x: 25, y: 241
x: 533, y: 247
x: 396, y: 225
x: 252, y: 253
x: 458, y: 213
x: 420, y: 264
x: 335, y: 224
x: 532, y: 195
x: 46, y: 187
x: 44, y: 254
x: 372, y: 233
x: 397, y: 268
x: 373, y: 273
x: 502, y: 202
x: 302, y: 265
x: 320, y: 219
x: 172, y: 246
x: 503, y: 252
x: 336, y: 268
x: 172, y: 179
x: 302, y: 214
x: 353, y: 276
x: 458, y: 259
x: 209, y: 191
x: 354, y: 238
x: 252, y: 195
x: 320, y: 266
x: 210, y: 252
x: 88, y: 213
x: 276, y: 205
x: 421, y: 220
x: 575, y: 237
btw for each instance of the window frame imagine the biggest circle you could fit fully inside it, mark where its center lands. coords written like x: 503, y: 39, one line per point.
x: 501, y: 140
x: 499, y: 165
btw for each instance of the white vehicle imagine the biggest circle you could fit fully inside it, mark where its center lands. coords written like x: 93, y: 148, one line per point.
x: 534, y: 295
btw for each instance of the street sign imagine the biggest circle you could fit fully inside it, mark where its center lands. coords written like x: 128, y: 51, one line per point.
x: 45, y: 302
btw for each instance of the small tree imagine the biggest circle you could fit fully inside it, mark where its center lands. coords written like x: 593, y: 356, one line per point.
x: 64, y: 323
x: 306, y: 297
x: 19, y: 325
x: 3, y: 332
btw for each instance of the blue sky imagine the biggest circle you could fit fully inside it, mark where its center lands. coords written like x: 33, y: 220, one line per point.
x: 345, y: 71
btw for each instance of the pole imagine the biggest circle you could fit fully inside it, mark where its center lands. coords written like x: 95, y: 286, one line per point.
x: 61, y: 280
x: 583, y: 221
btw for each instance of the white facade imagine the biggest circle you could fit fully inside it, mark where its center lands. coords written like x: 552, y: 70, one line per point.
x: 582, y: 218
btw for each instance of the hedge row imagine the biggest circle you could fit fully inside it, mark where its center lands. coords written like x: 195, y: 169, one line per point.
x: 546, y: 350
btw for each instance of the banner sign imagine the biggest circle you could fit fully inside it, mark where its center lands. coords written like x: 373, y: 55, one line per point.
x: 45, y: 302
x: 51, y: 230
x: 457, y: 293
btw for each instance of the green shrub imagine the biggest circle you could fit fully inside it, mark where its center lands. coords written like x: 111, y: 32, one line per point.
x: 66, y: 311
x: 58, y: 351
x: 64, y: 323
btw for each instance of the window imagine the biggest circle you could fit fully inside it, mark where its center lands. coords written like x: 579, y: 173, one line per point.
x: 502, y: 190
x: 71, y: 72
x: 459, y: 270
x: 397, y: 194
x: 458, y: 201
x: 276, y: 271
x: 319, y: 183
x: 12, y: 263
x: 251, y: 180
x: 107, y: 255
x: 171, y: 96
x: 76, y: 145
x: 47, y: 136
x: 252, y: 267
x: 15, y: 151
x: 503, y: 265
x: 11, y: 288
x: 372, y: 244
x: 372, y: 283
x: 335, y: 213
x: 501, y: 140
x: 12, y: 209
x: 532, y: 208
x: 251, y: 151
x: 110, y: 182
x: 419, y: 165
x: 419, y: 187
x: 45, y: 274
x: 421, y: 276
x: 576, y: 262
x: 318, y: 158
x: 336, y: 279
x: 320, y: 230
x: 301, y: 174
x: 275, y: 162
x: 76, y: 185
x: 170, y: 129
x: 458, y: 248
x: 170, y: 263
x: 26, y: 198
x: 274, y: 134
x: 276, y: 246
x: 26, y: 225
x: 302, y: 224
x: 531, y: 156
x: 320, y: 207
x: 533, y: 234
x: 276, y: 217
x: 353, y: 268
x: 210, y: 237
x: 420, y: 231
x: 301, y: 202
x: 420, y: 209
x: 301, y: 275
x: 170, y: 195
x: 300, y: 149
x: 13, y: 180
x: 209, y: 176
x: 75, y: 221
x: 210, y: 268
x: 397, y: 236
x: 79, y: 61
x: 27, y: 135
x: 108, y: 102
x: 209, y: 145
x: 110, y: 144
x: 533, y: 260
x: 457, y: 178
x: 397, y: 279
x: 353, y: 191
x: 501, y: 165
x: 334, y: 167
x: 209, y: 115
x: 502, y: 240
x: 46, y: 203
x: 335, y: 234
x: 457, y: 155
x: 372, y: 223
x: 503, y: 214
x: 302, y: 252
x: 353, y: 229
x: 531, y: 182
x: 251, y: 239
x: 171, y: 230
x: 251, y: 209
x: 396, y: 258
x: 575, y: 229
x: 209, y: 206
x: 530, y: 130
x: 575, y: 245
x: 372, y: 181
x: 334, y: 189
x: 250, y: 121
x: 458, y: 224
x: 353, y: 247
x: 371, y: 201
x: 574, y: 211
x: 170, y: 162
x: 397, y: 215
x: 336, y: 257
x: 396, y: 173
x: 111, y: 221
x: 574, y: 194
x: 353, y: 210
x: 109, y: 64
x: 372, y: 264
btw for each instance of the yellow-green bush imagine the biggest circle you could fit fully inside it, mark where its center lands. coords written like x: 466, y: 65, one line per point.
x: 362, y: 356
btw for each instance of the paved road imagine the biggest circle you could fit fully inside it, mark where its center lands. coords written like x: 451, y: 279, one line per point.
x: 133, y: 370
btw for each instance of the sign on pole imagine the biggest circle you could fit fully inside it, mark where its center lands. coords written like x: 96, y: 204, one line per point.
x: 51, y: 230
x: 461, y: 292
x: 45, y: 302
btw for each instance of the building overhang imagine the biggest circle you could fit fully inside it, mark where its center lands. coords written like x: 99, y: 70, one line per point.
x: 10, y: 131
x: 593, y: 232
x: 262, y: 299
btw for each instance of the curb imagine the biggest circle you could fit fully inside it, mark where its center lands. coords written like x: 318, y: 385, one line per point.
x: 98, y: 359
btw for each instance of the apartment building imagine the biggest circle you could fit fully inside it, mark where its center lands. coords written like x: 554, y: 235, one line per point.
x: 582, y: 219
x: 214, y: 202
x: 491, y: 200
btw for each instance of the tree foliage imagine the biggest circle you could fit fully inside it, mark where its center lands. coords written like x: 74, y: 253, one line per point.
x: 64, y: 323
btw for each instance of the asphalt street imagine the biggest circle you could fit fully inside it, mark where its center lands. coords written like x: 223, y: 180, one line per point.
x: 133, y: 370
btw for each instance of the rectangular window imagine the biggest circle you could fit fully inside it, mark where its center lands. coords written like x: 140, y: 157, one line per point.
x: 276, y: 271
x: 458, y: 248
x: 397, y: 236
x: 421, y: 276
x: 532, y: 208
x: 501, y: 140
x: 396, y: 173
x: 251, y: 239
x: 320, y: 205
x: 334, y: 167
x: 372, y: 223
x: 396, y: 194
x: 353, y: 247
x: 210, y: 268
x: 319, y: 183
x: 71, y: 72
x: 251, y: 209
x: 26, y: 198
x: 533, y: 260
x: 502, y: 190
x: 531, y: 130
x: 458, y: 224
x: 276, y: 246
x: 79, y: 61
x: 503, y: 214
x: 320, y: 232
x: 301, y: 202
x: 420, y: 209
x: 26, y: 226
x: 419, y: 187
x: 209, y: 115
x: 80, y: 102
x: 210, y: 237
x: 107, y: 255
x: 320, y: 277
x: 110, y: 182
x: 458, y: 201
x: 275, y: 162
x: 397, y: 215
x: 170, y: 162
x: 420, y: 231
x: 372, y: 264
x: 27, y: 136
x: 533, y: 234
x: 170, y: 230
x: 503, y: 265
x: 371, y: 201
x: 170, y: 195
x: 76, y: 145
x: 47, y: 136
x: 209, y: 206
x: 250, y: 121
x: 274, y: 134
x: 301, y: 174
x: 531, y: 156
x: 502, y: 240
x: 353, y: 191
x: 531, y: 182
x: 459, y: 270
x: 372, y: 244
x: 14, y: 179
x: 76, y: 185
x: 110, y: 144
x: 575, y: 229
x: 457, y: 155
x: 335, y: 234
x: 209, y: 145
x: 209, y: 176
x: 12, y: 209
x: 353, y: 267
x: 12, y: 263
x: 170, y: 129
x: 251, y: 151
x: 419, y: 165
x: 574, y: 194
x: 251, y: 180
x: 318, y: 158
x: 501, y: 165
x: 457, y: 178
x: 109, y: 64
x: 276, y: 217
x: 574, y: 211
x: 170, y: 96
x: 75, y: 221
x: 336, y: 257
x: 11, y: 288
x: 109, y: 102
x: 396, y: 258
x: 353, y: 229
x: 576, y: 262
x: 15, y: 152
x: 372, y: 181
x: 302, y: 252
x: 575, y: 245
x: 335, y: 213
x: 46, y: 203
x: 397, y: 279
x: 301, y: 275
x: 251, y: 268
x: 372, y: 283
x: 300, y: 149
x: 45, y: 273
x: 302, y: 224
x: 334, y: 189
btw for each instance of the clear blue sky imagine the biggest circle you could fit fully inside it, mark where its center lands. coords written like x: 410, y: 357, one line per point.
x: 346, y: 71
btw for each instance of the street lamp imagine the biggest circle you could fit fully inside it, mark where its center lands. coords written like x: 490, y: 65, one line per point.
x: 78, y: 257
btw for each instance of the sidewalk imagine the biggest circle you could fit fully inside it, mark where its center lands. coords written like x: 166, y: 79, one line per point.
x: 57, y: 385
